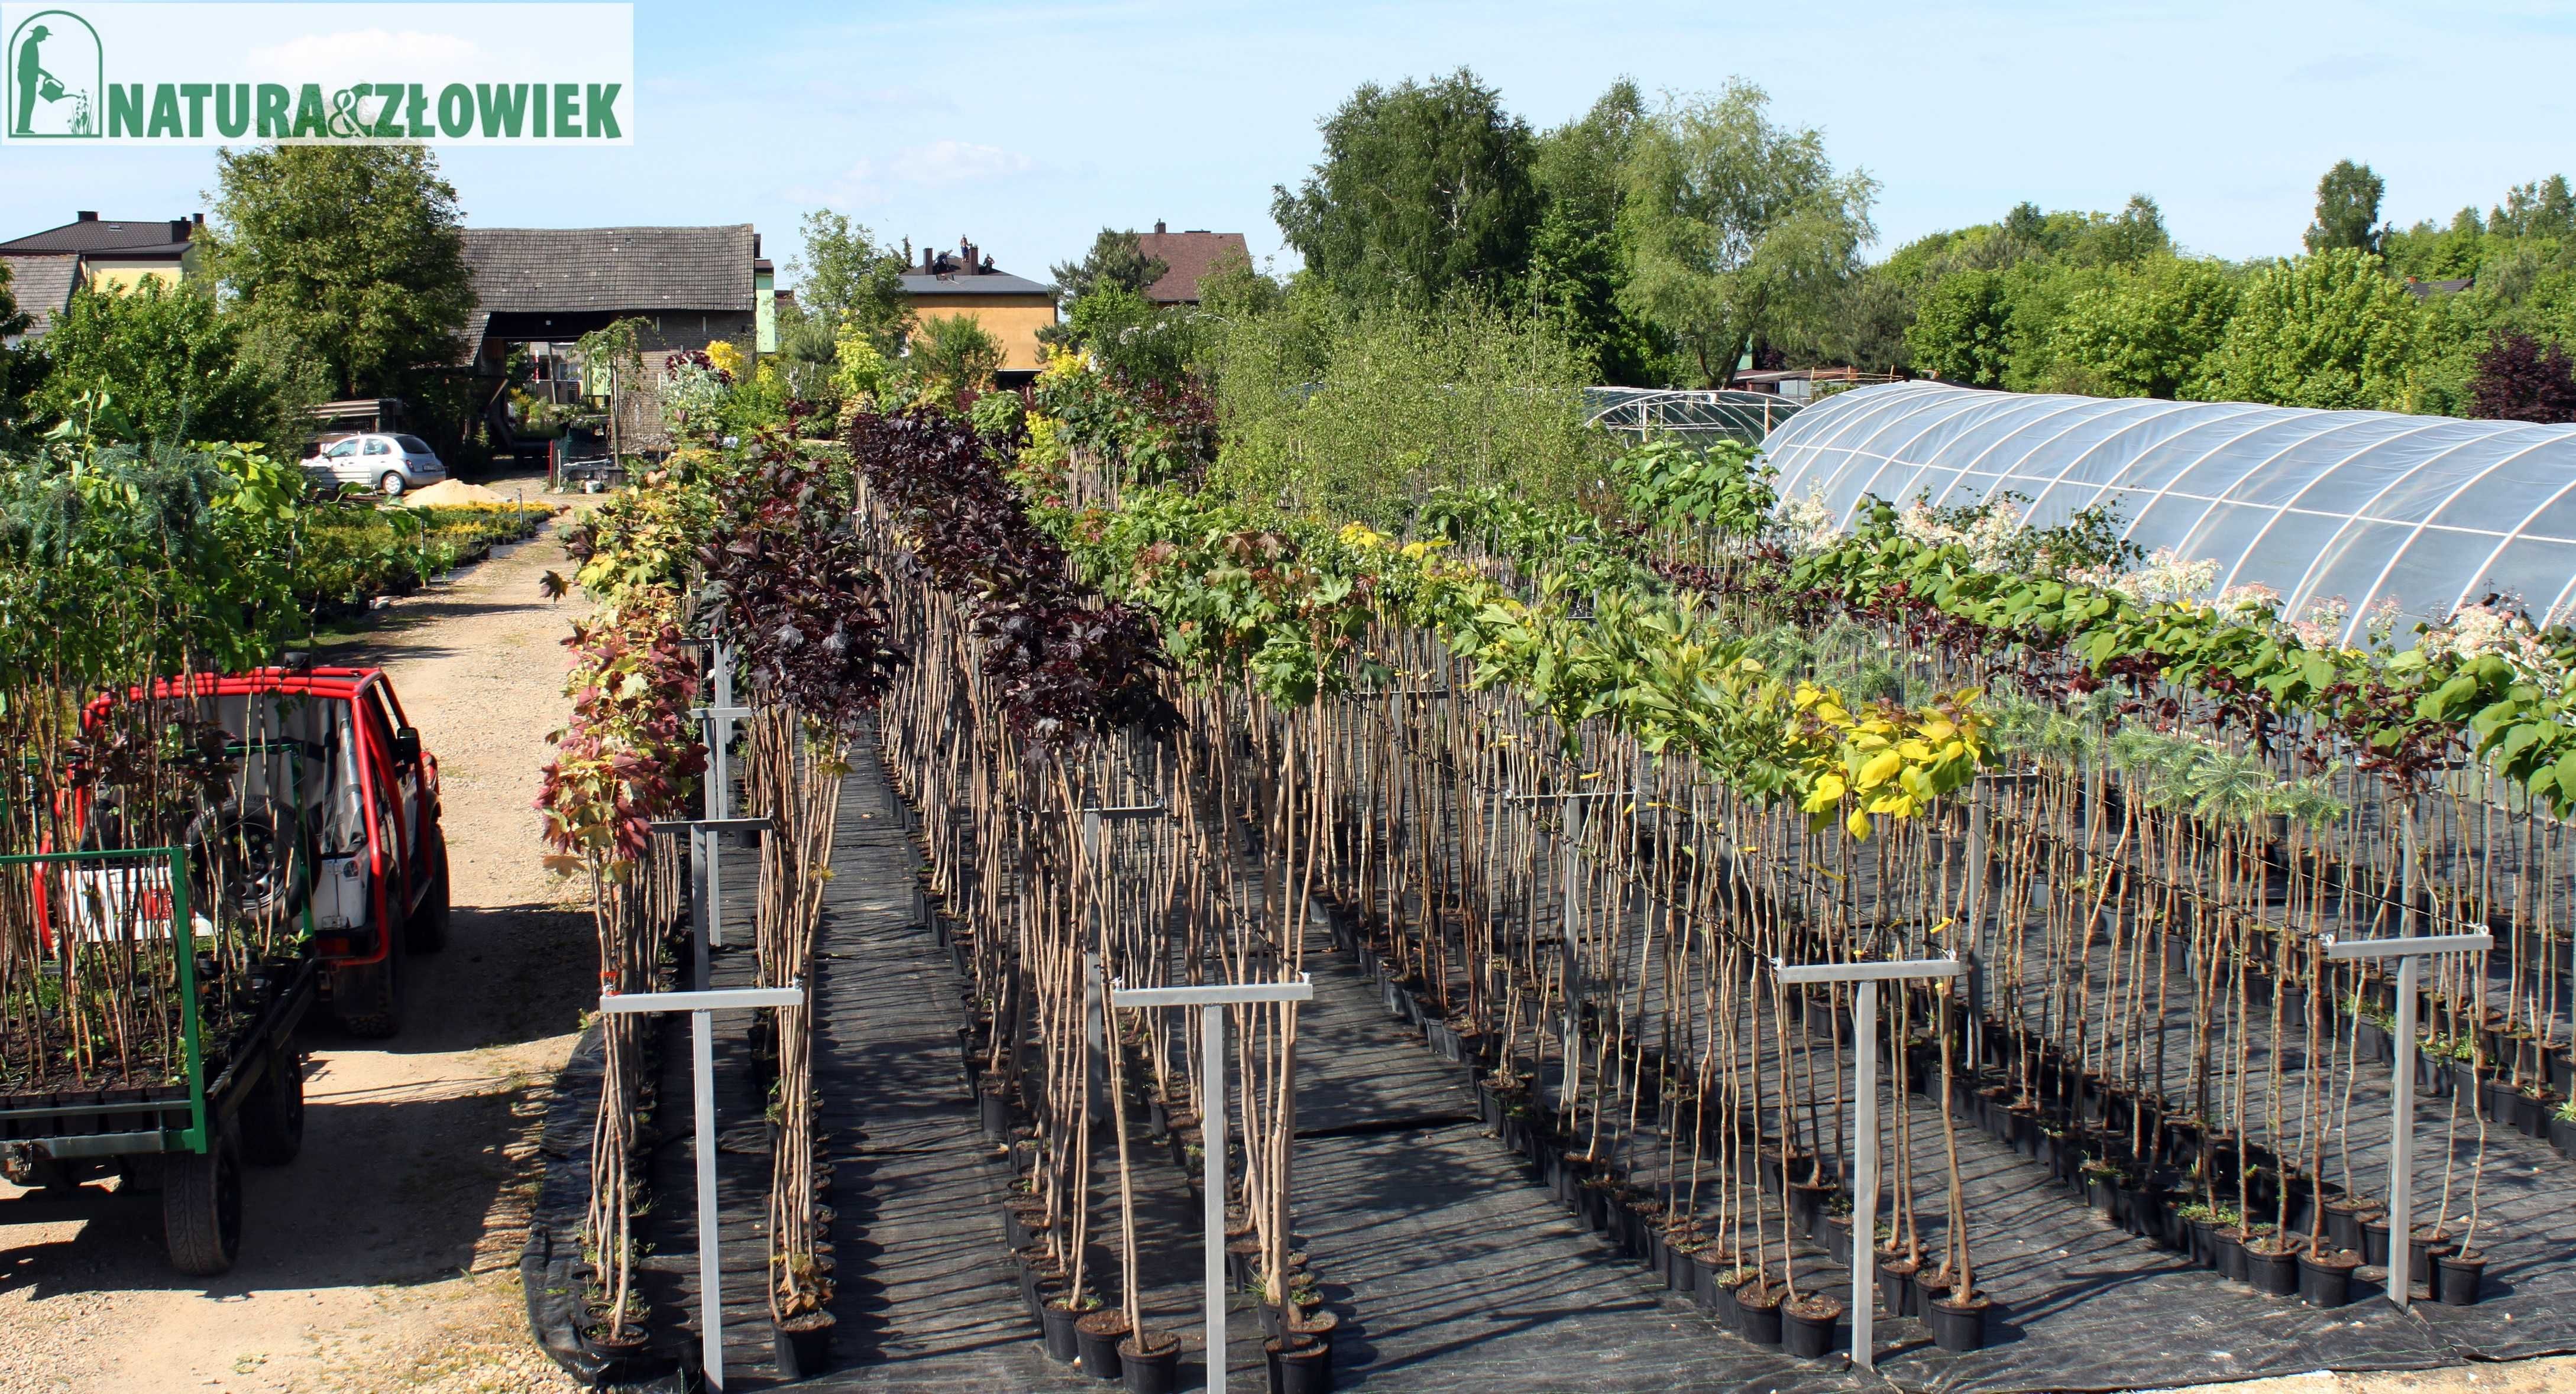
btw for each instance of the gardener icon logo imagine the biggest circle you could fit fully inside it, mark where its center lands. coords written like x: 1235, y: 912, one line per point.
x: 53, y: 79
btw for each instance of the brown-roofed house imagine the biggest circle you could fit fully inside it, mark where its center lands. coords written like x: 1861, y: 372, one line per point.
x: 116, y: 253
x: 965, y: 284
x: 1190, y: 256
x: 42, y: 284
x: 690, y: 285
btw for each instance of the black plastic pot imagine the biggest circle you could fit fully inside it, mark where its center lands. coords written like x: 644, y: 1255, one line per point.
x: 2562, y: 1135
x: 1960, y: 1326
x: 2203, y: 1241
x: 2421, y: 1254
x: 1704, y: 1284
x: 1807, y: 1329
x: 2229, y: 1243
x: 1719, y: 1298
x: 630, y: 1357
x: 1097, y: 1335
x: 2327, y: 1282
x: 1759, y: 1321
x: 2374, y: 1241
x: 2275, y: 1273
x: 994, y: 1113
x: 1061, y: 1344
x: 1896, y: 1287
x: 1303, y: 1366
x: 2343, y: 1226
x: 2530, y: 1115
x: 2458, y: 1277
x: 1681, y: 1272
x: 1157, y: 1373
x: 802, y: 1345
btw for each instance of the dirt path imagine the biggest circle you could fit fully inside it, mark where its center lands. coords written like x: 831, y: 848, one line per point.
x: 385, y: 1258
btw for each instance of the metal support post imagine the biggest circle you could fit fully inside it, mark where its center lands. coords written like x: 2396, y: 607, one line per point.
x: 702, y: 1007
x: 1865, y: 978
x: 2410, y: 954
x: 1212, y: 999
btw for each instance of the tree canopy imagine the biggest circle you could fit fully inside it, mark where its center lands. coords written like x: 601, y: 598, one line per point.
x: 1116, y: 260
x: 2329, y: 330
x: 846, y: 280
x: 2347, y: 209
x: 162, y: 364
x: 347, y: 257
x: 1424, y: 189
x: 1736, y: 226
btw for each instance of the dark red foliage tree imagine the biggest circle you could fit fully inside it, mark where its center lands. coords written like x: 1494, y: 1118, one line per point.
x: 2519, y: 380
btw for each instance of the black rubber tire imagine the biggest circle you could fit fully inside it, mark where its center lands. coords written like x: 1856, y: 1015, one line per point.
x: 264, y: 880
x: 272, y: 1118
x: 425, y: 929
x: 368, y: 998
x: 201, y: 1207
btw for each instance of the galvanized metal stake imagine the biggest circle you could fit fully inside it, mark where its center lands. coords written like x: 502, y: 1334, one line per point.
x: 1866, y: 977
x: 1211, y: 999
x: 702, y: 1007
x: 2410, y: 954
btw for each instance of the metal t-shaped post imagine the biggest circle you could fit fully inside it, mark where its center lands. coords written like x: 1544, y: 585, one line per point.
x: 1211, y: 999
x: 2410, y: 954
x: 702, y: 1007
x: 1865, y: 978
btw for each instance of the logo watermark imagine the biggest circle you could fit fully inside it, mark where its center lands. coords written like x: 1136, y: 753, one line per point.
x: 215, y: 74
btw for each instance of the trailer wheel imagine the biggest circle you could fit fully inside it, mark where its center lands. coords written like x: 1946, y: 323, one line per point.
x: 425, y: 930
x: 272, y: 1118
x: 201, y: 1207
x: 368, y: 998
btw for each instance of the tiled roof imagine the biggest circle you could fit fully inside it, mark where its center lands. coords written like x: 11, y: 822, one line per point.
x: 158, y: 236
x: 962, y: 283
x: 42, y: 286
x: 641, y: 269
x: 1191, y: 256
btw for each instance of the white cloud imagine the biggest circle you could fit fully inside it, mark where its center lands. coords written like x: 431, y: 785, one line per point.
x: 957, y: 162
x: 942, y: 163
x: 317, y: 57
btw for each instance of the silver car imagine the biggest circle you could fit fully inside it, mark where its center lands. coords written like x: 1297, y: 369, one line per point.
x: 388, y: 464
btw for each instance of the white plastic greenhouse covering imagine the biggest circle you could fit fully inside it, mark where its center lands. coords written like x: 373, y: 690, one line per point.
x: 2432, y: 510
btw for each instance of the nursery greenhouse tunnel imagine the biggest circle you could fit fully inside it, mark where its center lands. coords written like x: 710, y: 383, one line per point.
x: 2432, y: 512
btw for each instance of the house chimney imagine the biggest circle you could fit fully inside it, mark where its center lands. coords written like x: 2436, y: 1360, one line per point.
x: 88, y: 216
x: 966, y: 254
x: 1158, y: 227
x: 199, y: 219
x: 179, y: 229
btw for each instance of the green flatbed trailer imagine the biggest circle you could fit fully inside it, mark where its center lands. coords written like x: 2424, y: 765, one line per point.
x: 189, y: 1140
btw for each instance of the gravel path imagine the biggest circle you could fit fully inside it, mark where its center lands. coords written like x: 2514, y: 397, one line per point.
x: 385, y: 1257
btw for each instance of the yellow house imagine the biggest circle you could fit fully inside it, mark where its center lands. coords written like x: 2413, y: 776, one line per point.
x: 1011, y: 308
x: 117, y: 255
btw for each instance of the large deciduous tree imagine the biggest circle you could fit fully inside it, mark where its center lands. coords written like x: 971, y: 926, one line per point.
x: 2347, y: 209
x: 168, y: 365
x: 2330, y: 330
x: 1960, y: 329
x: 2148, y: 331
x: 845, y: 280
x: 1424, y: 189
x: 347, y: 256
x: 1576, y: 265
x: 1736, y: 227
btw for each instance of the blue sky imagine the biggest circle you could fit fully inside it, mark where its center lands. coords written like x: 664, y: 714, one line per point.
x: 1029, y: 126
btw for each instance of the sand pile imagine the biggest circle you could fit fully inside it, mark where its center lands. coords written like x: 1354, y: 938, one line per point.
x: 448, y: 493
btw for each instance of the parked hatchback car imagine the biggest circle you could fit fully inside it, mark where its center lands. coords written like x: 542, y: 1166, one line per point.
x: 387, y: 463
